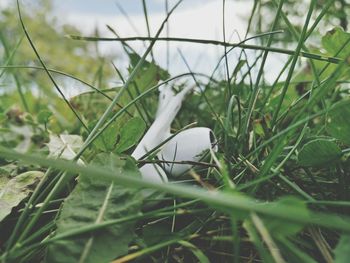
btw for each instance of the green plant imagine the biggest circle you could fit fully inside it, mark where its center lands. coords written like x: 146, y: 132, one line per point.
x: 277, y: 190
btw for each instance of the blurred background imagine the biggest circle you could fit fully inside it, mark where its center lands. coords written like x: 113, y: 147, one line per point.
x: 49, y: 22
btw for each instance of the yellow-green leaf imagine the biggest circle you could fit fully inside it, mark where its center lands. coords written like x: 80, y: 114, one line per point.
x: 319, y: 152
x: 14, y: 190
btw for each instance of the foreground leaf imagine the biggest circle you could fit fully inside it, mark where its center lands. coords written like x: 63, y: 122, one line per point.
x: 342, y: 251
x: 319, y: 152
x: 14, y: 190
x: 281, y: 228
x: 220, y: 200
x: 95, y: 201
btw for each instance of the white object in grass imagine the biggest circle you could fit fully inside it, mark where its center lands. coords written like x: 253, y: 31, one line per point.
x: 169, y: 105
x: 188, y: 145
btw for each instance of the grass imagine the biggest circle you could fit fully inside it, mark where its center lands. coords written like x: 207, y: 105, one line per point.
x: 254, y: 200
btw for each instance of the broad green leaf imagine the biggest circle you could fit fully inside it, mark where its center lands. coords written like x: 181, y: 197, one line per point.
x: 130, y: 134
x: 65, y: 146
x: 106, y: 141
x: 281, y: 228
x: 335, y: 40
x: 338, y: 122
x: 342, y: 250
x: 93, y: 202
x: 14, y: 190
x: 290, y: 97
x: 319, y: 152
x: 148, y: 76
x: 160, y: 74
x: 43, y: 116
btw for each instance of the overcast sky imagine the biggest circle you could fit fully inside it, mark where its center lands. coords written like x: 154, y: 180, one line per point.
x: 131, y: 6
x: 193, y: 19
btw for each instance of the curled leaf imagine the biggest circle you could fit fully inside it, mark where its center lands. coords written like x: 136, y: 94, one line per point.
x: 14, y: 190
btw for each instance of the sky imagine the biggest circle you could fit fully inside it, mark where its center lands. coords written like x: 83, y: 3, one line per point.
x: 132, y: 7
x: 192, y: 19
x: 201, y: 19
